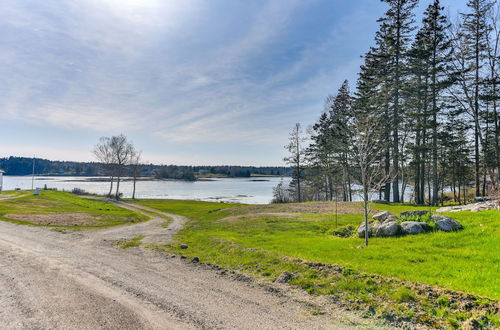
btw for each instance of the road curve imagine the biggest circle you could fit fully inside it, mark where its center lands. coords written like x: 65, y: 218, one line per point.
x: 81, y: 280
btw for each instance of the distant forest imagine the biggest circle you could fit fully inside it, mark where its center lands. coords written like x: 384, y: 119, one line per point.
x: 24, y: 166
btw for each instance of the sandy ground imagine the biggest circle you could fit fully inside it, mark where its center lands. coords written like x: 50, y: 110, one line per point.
x: 81, y: 280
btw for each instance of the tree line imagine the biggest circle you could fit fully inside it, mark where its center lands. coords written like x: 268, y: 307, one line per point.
x: 423, y: 117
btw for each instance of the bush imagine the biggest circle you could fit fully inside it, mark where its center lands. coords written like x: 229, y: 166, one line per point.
x: 344, y: 232
x: 79, y: 191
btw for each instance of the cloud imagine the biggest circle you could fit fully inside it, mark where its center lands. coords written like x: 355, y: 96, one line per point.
x: 170, y: 73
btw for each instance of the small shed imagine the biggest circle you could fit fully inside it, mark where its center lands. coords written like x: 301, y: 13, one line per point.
x: 1, y: 180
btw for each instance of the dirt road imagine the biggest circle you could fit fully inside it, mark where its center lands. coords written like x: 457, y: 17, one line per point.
x: 52, y: 280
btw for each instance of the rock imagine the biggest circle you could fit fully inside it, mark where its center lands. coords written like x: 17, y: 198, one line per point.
x: 285, y: 277
x: 415, y: 213
x: 483, y: 198
x: 381, y: 216
x: 361, y: 230
x: 414, y: 227
x: 184, y: 246
x: 391, y: 218
x: 445, y: 223
x: 476, y: 207
x: 195, y: 260
x: 387, y: 229
x: 380, y: 201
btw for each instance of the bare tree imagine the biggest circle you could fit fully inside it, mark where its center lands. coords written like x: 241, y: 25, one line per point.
x: 366, y: 153
x: 135, y: 167
x: 122, y: 151
x: 104, y: 153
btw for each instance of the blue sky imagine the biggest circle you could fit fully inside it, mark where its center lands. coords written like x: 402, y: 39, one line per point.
x: 189, y: 81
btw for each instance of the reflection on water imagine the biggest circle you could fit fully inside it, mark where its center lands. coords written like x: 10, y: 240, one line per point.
x: 243, y: 190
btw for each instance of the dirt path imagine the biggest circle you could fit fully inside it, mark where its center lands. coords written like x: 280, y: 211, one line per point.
x: 51, y: 280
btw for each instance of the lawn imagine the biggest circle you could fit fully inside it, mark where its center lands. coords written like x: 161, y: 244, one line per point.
x: 64, y: 210
x: 268, y: 239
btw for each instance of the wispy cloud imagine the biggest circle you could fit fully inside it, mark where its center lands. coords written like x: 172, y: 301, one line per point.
x: 177, y: 75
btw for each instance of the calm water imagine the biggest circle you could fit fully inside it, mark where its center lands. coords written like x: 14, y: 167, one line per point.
x: 243, y: 190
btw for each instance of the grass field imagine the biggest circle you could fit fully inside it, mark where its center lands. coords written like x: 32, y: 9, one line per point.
x: 266, y: 240
x: 63, y: 210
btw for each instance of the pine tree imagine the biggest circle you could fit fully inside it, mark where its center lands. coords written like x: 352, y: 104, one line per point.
x: 470, y: 44
x: 438, y: 49
x: 296, y: 159
x: 399, y: 20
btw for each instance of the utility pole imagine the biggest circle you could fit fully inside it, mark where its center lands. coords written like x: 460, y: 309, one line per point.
x: 33, y: 174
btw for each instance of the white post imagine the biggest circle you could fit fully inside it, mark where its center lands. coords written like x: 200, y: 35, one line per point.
x: 33, y: 174
x: 1, y: 181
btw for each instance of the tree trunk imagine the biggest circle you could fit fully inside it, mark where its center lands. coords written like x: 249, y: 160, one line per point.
x: 110, y: 188
x: 365, y: 207
x: 476, y: 113
x: 117, y: 194
x: 133, y: 191
x: 395, y: 161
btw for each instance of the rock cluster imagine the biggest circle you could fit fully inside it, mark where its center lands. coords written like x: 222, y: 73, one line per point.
x: 476, y: 207
x: 384, y: 224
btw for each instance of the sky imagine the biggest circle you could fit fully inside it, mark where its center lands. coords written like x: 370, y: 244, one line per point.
x: 190, y: 82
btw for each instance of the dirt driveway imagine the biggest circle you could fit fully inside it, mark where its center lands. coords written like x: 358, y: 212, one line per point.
x: 52, y: 280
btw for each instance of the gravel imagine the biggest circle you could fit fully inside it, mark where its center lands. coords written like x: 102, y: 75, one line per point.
x: 80, y: 280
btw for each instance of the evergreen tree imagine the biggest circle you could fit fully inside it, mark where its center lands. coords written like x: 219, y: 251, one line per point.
x: 470, y: 44
x: 399, y: 21
x: 296, y: 159
x: 437, y: 49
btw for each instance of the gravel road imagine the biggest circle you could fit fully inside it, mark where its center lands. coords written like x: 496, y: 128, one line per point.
x: 81, y: 280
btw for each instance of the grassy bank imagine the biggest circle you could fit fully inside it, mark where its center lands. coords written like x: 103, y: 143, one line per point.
x: 64, y: 210
x: 267, y: 240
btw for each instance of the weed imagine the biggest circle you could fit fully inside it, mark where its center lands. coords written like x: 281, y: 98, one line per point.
x: 135, y: 241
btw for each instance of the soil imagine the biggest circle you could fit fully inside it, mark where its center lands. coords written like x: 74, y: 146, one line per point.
x: 57, y: 219
x: 318, y: 207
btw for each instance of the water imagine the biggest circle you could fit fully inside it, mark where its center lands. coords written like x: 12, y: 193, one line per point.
x: 241, y: 190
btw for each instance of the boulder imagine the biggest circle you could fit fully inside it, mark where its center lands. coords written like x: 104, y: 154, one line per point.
x: 391, y: 218
x: 414, y: 227
x: 445, y: 223
x: 387, y: 229
x: 184, y: 246
x: 381, y: 216
x: 476, y: 207
x: 414, y: 213
x: 361, y: 230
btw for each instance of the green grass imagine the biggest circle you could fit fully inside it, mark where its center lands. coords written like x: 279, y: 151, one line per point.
x: 58, y: 203
x: 265, y: 245
x: 467, y: 260
x: 134, y: 242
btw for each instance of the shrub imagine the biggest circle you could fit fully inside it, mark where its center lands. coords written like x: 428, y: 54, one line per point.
x: 79, y: 191
x: 344, y: 232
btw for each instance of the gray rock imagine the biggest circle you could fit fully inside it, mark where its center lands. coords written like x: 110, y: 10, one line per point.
x: 361, y: 230
x: 414, y: 227
x: 379, y: 201
x: 476, y: 207
x: 184, y: 246
x: 445, y: 223
x: 381, y: 216
x: 416, y: 213
x: 285, y: 277
x: 387, y: 229
x: 391, y: 218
